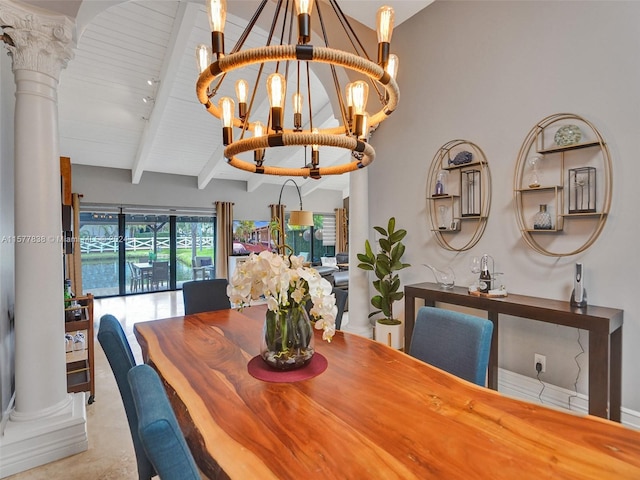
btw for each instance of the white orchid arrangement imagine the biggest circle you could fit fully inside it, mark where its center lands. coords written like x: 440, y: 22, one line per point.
x: 285, y: 283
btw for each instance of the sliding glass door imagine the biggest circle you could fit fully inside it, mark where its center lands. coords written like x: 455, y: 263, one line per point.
x: 195, y: 248
x: 99, y: 246
x: 147, y: 253
x: 128, y: 253
x: 313, y: 242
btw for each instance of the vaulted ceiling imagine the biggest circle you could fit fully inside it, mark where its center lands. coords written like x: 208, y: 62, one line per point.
x: 145, y: 50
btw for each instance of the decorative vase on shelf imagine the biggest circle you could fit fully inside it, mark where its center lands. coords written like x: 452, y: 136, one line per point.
x: 542, y: 219
x: 287, y: 339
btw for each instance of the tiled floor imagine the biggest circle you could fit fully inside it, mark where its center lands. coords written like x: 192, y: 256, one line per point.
x: 110, y: 455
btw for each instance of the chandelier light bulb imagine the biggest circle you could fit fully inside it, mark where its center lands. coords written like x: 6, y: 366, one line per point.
x: 258, y: 129
x: 349, y: 97
x: 384, y: 20
x: 276, y: 90
x: 349, y: 94
x: 365, y: 127
x: 242, y: 90
x: 242, y: 93
x: 203, y: 57
x: 359, y: 92
x: 392, y: 66
x: 217, y: 14
x: 304, y: 6
x: 226, y: 105
x: 258, y: 153
x: 303, y: 10
x: 217, y: 17
x: 297, y: 111
x: 315, y: 153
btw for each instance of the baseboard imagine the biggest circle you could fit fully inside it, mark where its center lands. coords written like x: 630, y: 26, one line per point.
x: 530, y: 389
x: 29, y: 444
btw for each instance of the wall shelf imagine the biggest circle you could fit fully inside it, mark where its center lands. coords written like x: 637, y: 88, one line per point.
x: 80, y: 363
x: 591, y: 154
x: 463, y: 210
x: 567, y: 148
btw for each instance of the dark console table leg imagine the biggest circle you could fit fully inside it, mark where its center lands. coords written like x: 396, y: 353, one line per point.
x: 598, y: 373
x: 615, y: 375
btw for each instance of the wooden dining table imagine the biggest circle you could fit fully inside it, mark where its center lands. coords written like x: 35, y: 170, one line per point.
x: 374, y: 413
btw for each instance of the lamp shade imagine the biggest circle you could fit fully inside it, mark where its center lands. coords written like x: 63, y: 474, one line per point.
x: 301, y: 217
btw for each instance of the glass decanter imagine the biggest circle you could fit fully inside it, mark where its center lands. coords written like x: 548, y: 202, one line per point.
x: 542, y: 219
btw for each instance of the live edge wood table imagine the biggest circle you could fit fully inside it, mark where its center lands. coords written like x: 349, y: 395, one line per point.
x: 374, y: 413
x: 603, y: 324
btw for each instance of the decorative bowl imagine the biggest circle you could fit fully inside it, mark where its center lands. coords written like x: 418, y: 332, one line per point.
x: 567, y: 135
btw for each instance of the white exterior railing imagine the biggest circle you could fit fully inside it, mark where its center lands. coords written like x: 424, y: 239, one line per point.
x: 110, y: 244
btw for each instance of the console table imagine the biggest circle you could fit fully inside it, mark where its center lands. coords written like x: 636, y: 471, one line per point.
x: 603, y: 324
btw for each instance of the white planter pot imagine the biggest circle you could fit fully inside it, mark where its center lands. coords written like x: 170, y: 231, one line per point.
x: 391, y: 335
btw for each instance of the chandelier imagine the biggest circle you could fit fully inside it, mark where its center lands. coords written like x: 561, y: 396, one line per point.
x: 283, y: 71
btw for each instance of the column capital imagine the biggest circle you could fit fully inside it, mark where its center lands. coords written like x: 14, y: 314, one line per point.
x: 36, y: 39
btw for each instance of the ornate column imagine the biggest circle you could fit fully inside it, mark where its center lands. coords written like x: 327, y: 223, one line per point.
x: 46, y: 421
x: 359, y: 281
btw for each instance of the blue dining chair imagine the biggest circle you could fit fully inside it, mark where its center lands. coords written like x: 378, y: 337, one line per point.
x: 118, y: 351
x: 158, y: 427
x: 455, y: 342
x: 205, y: 295
x: 341, y: 302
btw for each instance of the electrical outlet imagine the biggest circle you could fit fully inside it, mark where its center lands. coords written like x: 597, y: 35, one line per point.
x: 539, y: 359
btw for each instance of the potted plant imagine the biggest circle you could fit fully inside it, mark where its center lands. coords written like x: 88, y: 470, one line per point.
x: 385, y: 265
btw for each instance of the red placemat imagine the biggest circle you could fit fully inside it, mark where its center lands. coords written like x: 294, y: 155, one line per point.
x: 260, y: 370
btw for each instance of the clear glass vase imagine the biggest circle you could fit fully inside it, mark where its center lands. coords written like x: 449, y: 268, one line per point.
x: 542, y: 219
x: 287, y: 339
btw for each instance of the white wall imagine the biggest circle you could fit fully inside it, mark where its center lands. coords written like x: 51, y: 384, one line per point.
x: 487, y: 72
x: 7, y: 258
x: 109, y: 185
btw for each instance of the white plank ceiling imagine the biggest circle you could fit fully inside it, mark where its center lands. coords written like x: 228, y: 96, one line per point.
x: 104, y: 121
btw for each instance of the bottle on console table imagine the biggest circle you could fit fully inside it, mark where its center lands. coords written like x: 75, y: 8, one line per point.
x: 485, y: 275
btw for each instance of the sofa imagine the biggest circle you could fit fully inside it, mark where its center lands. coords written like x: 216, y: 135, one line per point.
x: 341, y: 277
x: 335, y: 270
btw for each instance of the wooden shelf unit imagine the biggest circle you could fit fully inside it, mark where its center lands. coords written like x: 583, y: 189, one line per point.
x: 80, y: 363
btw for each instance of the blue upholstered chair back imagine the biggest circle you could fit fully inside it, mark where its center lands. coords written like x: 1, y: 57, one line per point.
x: 205, y: 295
x: 158, y: 428
x: 118, y: 352
x: 453, y: 341
x: 341, y: 303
